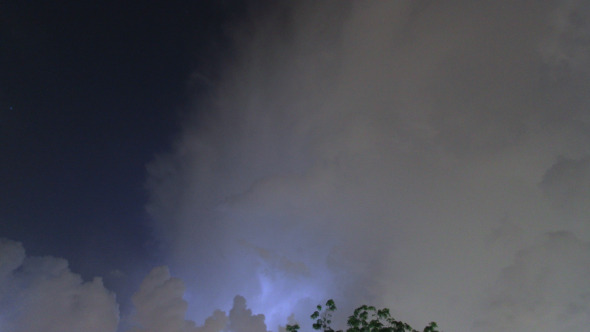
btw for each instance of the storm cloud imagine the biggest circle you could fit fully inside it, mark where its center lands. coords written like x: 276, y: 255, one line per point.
x: 425, y: 156
x: 430, y: 157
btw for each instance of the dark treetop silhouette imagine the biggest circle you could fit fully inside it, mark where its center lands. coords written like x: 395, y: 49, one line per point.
x: 364, y: 319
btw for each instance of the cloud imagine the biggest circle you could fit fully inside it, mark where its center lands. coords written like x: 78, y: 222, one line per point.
x: 159, y: 304
x: 546, y: 288
x: 399, y: 153
x: 242, y: 320
x: 568, y: 181
x: 218, y: 321
x: 42, y: 294
x: 425, y: 156
x: 567, y: 45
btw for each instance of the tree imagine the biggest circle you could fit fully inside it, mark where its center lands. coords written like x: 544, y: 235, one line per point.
x: 364, y: 319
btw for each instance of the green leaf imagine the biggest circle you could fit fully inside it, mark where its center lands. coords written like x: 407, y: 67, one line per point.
x: 364, y: 319
x: 292, y: 328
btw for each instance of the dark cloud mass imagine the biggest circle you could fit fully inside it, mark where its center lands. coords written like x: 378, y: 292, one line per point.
x: 430, y: 157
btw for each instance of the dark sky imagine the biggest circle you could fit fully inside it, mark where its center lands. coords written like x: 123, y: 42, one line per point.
x: 89, y: 92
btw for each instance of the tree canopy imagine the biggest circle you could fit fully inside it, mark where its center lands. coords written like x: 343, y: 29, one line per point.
x: 364, y: 319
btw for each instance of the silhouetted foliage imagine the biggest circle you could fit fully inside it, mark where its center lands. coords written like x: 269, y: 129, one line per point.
x: 364, y: 319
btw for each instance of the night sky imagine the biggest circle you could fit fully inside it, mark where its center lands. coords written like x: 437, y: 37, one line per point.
x: 207, y: 166
x: 90, y: 92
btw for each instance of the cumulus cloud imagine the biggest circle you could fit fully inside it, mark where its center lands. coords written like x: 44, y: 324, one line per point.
x: 218, y: 321
x: 242, y: 320
x: 42, y: 294
x: 160, y: 307
x: 159, y: 304
x: 432, y: 157
x: 401, y: 153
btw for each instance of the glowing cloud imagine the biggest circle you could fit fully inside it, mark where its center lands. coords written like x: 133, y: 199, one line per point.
x: 401, y: 153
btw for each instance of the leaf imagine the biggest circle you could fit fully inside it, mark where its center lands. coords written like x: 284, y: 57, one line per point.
x: 292, y: 328
x: 364, y: 319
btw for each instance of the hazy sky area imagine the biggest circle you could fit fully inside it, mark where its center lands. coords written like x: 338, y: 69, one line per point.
x: 226, y: 166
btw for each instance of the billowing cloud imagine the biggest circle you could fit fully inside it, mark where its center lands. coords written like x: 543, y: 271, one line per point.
x: 42, y: 294
x: 218, y: 321
x: 159, y: 304
x: 160, y: 307
x: 242, y: 320
x: 431, y: 157
x: 404, y: 153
